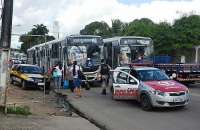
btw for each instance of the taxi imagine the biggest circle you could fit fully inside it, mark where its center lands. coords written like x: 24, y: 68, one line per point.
x: 149, y: 86
x: 27, y: 75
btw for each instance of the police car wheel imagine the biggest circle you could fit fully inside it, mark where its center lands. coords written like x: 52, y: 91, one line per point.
x: 146, y: 103
x: 23, y: 84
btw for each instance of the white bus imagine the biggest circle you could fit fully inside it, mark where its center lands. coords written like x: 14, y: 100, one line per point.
x: 126, y: 49
x: 67, y: 50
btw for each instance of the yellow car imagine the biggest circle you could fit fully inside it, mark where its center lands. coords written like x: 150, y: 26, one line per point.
x: 27, y: 75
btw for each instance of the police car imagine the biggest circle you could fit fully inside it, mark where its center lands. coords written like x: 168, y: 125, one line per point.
x: 27, y: 75
x: 150, y: 86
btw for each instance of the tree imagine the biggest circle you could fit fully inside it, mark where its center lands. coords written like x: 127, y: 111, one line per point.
x: 163, y: 38
x: 117, y: 27
x: 187, y: 30
x: 143, y: 27
x: 29, y: 41
x: 97, y: 28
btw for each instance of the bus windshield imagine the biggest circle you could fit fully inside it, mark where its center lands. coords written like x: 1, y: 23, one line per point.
x: 82, y: 53
x: 83, y: 49
x: 77, y: 53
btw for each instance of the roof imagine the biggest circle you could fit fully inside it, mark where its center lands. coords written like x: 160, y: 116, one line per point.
x: 59, y: 40
x: 27, y: 65
x: 120, y: 37
x: 77, y: 35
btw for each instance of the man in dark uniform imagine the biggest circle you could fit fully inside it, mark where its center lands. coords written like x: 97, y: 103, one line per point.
x: 104, y: 70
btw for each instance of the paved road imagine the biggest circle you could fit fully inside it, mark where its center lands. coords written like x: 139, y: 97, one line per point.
x: 127, y: 115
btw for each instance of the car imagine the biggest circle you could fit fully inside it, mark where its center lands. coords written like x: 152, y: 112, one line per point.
x: 149, y: 86
x: 27, y: 75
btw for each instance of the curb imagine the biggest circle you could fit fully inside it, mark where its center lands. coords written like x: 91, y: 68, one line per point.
x: 84, y: 115
x: 87, y: 117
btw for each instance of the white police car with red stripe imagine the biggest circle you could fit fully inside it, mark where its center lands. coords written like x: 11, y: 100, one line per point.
x: 150, y: 86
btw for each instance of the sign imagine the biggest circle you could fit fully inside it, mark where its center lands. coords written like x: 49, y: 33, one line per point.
x: 84, y: 40
x: 133, y: 41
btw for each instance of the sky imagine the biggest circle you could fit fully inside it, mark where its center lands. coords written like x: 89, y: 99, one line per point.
x: 73, y: 15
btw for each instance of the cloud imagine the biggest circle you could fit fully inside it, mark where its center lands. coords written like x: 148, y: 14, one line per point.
x: 73, y: 15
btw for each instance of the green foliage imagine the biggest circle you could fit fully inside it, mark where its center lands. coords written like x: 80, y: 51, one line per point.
x: 29, y: 41
x: 164, y: 39
x: 117, y: 27
x: 143, y: 27
x: 168, y: 39
x: 18, y: 110
x: 97, y: 28
x: 25, y: 110
x: 187, y: 30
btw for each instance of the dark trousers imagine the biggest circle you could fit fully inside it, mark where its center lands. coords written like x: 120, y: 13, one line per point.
x: 71, y: 85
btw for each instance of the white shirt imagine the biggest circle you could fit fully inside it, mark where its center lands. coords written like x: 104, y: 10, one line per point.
x: 77, y: 68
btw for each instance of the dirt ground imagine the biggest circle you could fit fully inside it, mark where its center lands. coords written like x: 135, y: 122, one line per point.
x: 34, y: 98
x: 45, y: 116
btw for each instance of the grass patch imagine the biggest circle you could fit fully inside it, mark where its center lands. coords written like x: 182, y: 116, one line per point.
x: 19, y: 110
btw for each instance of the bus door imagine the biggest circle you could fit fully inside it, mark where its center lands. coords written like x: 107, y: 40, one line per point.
x: 115, y: 56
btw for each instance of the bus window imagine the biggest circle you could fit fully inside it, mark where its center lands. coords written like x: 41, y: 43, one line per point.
x: 77, y: 53
x: 55, y: 51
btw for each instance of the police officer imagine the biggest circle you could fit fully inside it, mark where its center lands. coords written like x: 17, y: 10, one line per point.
x: 104, y: 70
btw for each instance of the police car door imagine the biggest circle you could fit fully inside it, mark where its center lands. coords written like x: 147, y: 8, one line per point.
x: 125, y: 86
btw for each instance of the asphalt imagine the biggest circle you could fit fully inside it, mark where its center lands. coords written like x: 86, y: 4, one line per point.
x: 127, y: 115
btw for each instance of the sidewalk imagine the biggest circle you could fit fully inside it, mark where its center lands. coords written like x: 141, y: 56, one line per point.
x: 48, y: 116
x: 44, y: 123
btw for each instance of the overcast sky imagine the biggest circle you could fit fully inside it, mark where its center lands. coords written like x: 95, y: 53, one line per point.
x: 73, y: 15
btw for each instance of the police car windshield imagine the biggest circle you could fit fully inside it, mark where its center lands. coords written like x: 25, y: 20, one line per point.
x: 152, y: 75
x: 31, y: 70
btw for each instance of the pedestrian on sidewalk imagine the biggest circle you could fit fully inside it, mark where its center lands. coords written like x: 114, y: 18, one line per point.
x: 69, y: 77
x: 57, y: 76
x: 76, y: 70
x: 104, y: 70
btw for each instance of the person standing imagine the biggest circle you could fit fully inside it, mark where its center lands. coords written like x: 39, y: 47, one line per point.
x: 104, y: 71
x: 57, y: 76
x: 76, y: 69
x: 69, y: 77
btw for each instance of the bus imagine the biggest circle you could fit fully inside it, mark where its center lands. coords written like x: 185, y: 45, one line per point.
x: 126, y: 49
x: 78, y: 48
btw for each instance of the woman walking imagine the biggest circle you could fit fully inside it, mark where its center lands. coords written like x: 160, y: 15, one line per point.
x: 77, y: 81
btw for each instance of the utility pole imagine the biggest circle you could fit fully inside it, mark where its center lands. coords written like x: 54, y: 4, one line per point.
x: 5, y: 42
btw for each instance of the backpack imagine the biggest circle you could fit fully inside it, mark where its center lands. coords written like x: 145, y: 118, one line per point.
x: 104, y: 69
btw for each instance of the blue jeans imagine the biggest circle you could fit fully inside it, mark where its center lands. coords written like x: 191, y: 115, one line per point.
x: 57, y: 82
